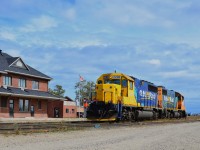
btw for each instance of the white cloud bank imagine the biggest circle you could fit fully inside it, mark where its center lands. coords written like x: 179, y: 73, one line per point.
x: 41, y: 23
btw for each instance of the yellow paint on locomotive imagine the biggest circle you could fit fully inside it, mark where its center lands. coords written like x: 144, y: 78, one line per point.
x: 115, y: 88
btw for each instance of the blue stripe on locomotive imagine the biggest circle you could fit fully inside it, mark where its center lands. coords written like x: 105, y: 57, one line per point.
x: 144, y: 96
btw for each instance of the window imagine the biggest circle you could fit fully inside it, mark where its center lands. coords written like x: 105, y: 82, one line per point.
x: 100, y: 82
x: 7, y: 80
x: 67, y: 110
x: 73, y: 111
x: 39, y: 104
x: 35, y: 85
x: 23, y: 105
x: 164, y: 92
x: 115, y: 81
x: 124, y: 83
x: 152, y: 88
x: 3, y: 102
x: 131, y: 85
x: 22, y: 83
x: 26, y: 108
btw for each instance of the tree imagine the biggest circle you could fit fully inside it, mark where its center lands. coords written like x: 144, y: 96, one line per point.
x: 58, y: 91
x: 84, y: 90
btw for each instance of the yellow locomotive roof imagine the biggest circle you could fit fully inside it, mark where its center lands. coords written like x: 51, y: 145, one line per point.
x: 117, y: 74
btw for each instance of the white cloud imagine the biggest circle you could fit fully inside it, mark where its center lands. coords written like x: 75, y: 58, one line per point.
x: 40, y: 24
x: 84, y: 43
x: 7, y: 35
x: 70, y: 14
x: 126, y: 13
x: 154, y: 62
x: 174, y: 74
x: 180, y: 74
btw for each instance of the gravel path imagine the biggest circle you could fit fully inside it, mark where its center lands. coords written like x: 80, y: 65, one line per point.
x: 184, y: 136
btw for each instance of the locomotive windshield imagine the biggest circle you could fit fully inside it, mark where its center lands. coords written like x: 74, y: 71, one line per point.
x: 114, y: 81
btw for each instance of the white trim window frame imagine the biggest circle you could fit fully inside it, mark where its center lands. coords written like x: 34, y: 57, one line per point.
x: 35, y: 85
x: 7, y: 80
x: 22, y: 83
x: 23, y: 105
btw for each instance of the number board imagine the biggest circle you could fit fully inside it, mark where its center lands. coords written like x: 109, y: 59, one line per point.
x: 116, y: 77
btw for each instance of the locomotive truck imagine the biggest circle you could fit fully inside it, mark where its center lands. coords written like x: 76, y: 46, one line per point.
x: 122, y: 97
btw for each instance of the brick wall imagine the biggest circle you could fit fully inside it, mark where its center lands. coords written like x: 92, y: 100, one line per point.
x: 69, y: 109
x: 32, y: 102
x: 47, y: 109
x: 70, y: 113
x: 4, y: 112
x: 43, y: 84
x: 55, y: 104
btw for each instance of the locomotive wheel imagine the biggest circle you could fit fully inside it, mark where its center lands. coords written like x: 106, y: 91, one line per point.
x: 155, y: 115
x: 131, y: 116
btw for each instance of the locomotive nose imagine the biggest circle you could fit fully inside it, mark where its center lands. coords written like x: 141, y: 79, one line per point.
x: 101, y: 110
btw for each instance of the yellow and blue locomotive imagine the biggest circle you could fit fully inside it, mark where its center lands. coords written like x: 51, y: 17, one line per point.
x: 122, y: 97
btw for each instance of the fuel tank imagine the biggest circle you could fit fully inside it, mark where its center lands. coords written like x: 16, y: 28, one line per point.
x: 144, y: 114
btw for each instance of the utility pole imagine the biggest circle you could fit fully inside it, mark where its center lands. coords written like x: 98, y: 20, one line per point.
x: 79, y: 99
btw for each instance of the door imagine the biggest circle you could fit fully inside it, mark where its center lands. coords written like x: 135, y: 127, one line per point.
x: 32, y: 111
x: 11, y: 108
x: 56, y: 112
x: 124, y: 88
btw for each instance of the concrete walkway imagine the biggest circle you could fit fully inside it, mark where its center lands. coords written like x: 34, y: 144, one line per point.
x: 32, y: 119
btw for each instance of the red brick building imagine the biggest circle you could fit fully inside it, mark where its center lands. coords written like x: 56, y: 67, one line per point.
x: 24, y: 90
x: 66, y: 109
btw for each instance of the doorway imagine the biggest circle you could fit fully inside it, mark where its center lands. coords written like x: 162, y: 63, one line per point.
x: 56, y: 112
x: 32, y: 111
x: 11, y: 108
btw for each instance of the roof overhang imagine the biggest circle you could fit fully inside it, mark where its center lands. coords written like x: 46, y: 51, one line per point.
x: 3, y: 72
x: 28, y: 75
x: 31, y: 96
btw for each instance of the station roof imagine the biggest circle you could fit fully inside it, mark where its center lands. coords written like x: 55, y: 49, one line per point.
x: 11, y: 91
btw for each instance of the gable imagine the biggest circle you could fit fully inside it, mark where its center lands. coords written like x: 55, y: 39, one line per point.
x: 9, y: 64
x: 19, y: 63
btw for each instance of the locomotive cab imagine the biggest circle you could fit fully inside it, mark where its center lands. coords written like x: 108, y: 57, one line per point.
x: 108, y: 90
x: 111, y: 91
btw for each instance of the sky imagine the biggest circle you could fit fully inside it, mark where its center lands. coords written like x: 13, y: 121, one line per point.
x: 152, y: 40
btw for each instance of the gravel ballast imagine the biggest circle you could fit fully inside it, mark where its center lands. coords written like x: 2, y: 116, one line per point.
x: 182, y: 136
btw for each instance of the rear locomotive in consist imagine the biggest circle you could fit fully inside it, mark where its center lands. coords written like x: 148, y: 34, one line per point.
x: 122, y: 97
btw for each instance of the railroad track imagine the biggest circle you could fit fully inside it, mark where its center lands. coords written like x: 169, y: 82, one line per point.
x: 41, y: 126
x: 17, y: 128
